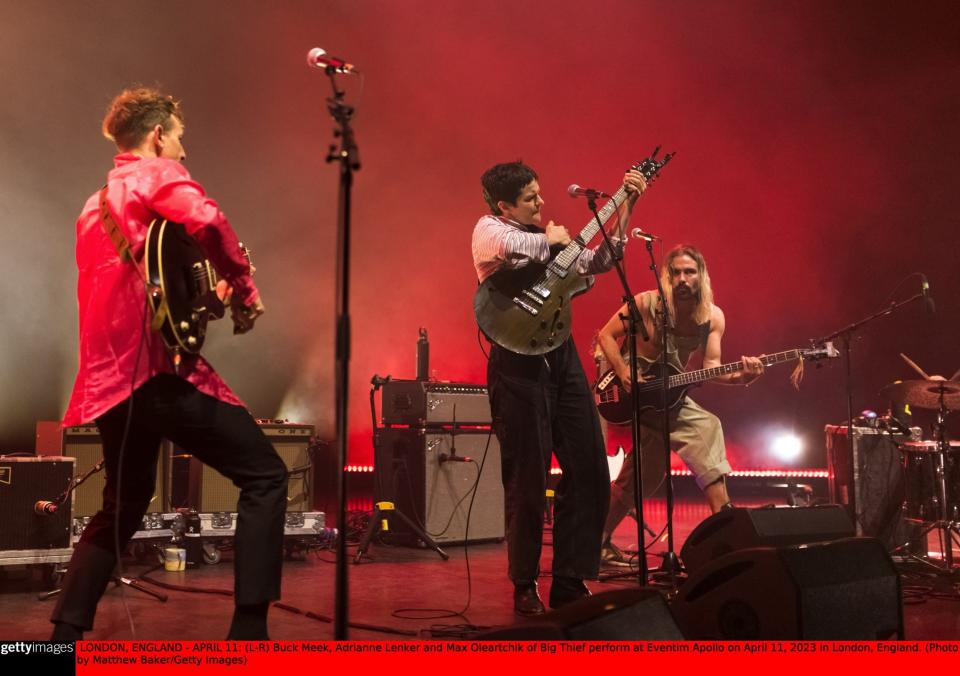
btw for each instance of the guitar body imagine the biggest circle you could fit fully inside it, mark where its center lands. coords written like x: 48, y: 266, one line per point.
x: 515, y: 310
x: 615, y: 405
x: 182, y: 286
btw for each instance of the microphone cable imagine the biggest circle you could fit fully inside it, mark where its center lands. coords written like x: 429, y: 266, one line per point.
x: 121, y: 453
x: 441, y: 613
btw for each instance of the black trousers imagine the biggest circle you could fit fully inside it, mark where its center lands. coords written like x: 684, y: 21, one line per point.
x: 542, y: 406
x: 223, y: 436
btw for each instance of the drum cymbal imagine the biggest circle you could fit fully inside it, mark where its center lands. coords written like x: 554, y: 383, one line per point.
x: 924, y: 393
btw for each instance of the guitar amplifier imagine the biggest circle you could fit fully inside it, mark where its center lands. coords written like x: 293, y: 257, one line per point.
x: 83, y: 443
x: 439, y: 495
x: 23, y: 482
x: 421, y: 403
x: 291, y: 442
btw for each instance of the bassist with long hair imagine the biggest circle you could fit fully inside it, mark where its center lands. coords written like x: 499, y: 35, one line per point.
x: 694, y: 432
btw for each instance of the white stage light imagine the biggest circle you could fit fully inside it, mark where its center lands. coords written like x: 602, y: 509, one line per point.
x: 786, y: 447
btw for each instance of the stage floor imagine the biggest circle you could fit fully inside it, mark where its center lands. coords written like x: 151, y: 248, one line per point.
x: 401, y: 593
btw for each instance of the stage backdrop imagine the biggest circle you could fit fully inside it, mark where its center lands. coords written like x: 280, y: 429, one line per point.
x: 817, y: 147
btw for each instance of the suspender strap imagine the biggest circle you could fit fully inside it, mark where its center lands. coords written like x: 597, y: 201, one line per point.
x: 113, y: 230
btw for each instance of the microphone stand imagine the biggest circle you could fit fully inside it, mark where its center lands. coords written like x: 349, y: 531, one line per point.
x: 634, y: 322
x: 133, y: 583
x: 671, y: 564
x: 348, y: 155
x: 845, y: 334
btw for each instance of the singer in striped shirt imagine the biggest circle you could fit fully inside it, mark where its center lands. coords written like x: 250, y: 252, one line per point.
x: 542, y: 405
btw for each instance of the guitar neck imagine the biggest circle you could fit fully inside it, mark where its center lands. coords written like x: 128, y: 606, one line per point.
x: 569, y: 255
x: 692, y: 377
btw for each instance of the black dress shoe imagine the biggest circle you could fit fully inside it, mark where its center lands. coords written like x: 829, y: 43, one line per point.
x: 526, y: 600
x: 566, y: 590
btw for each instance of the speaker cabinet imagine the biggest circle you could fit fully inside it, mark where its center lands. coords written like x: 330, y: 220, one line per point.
x: 83, y: 443
x: 842, y: 590
x: 866, y: 477
x: 424, y: 403
x: 291, y: 442
x: 620, y: 615
x: 409, y: 473
x: 733, y: 529
x: 24, y: 482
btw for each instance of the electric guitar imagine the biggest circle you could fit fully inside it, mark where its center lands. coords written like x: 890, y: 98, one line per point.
x: 528, y: 310
x: 614, y: 403
x: 182, y: 287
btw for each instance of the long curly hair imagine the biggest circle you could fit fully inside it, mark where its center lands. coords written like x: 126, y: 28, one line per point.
x: 701, y: 313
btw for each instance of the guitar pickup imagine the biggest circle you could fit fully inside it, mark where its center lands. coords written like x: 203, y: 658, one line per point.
x: 540, y: 291
x: 607, y: 396
x: 534, y: 297
x: 557, y: 270
x: 526, y: 306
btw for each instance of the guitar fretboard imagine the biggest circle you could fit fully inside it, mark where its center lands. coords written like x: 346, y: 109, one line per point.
x: 572, y: 252
x: 692, y: 377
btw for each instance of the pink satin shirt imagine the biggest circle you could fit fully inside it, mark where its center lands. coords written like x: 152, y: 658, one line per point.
x: 114, y: 315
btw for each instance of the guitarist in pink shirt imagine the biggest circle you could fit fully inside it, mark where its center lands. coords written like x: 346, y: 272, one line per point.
x: 126, y: 370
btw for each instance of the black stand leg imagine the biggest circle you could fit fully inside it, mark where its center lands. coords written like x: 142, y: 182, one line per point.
x: 372, y: 529
x: 382, y: 512
x: 671, y: 565
x: 117, y: 580
x: 635, y: 326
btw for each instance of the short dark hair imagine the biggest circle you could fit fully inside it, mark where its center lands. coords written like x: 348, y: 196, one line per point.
x: 505, y: 182
x: 134, y: 112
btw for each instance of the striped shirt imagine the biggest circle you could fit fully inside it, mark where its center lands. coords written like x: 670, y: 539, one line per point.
x: 499, y: 243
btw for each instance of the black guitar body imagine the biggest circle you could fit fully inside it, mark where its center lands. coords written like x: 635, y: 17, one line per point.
x: 517, y: 310
x: 614, y: 403
x: 182, y: 286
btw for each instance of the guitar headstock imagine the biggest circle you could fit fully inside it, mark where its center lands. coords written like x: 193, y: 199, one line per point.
x: 818, y: 352
x: 650, y: 167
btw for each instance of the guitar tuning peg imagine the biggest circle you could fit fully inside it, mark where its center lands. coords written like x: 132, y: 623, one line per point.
x: 653, y: 155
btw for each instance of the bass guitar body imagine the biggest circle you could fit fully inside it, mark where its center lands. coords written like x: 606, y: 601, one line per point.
x: 614, y: 403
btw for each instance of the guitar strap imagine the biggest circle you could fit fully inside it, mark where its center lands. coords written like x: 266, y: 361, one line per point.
x: 122, y: 246
x: 113, y: 230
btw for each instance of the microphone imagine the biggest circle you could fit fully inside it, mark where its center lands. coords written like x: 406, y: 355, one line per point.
x: 927, y: 298
x: 452, y: 455
x: 637, y: 233
x: 318, y: 58
x: 575, y: 190
x: 44, y: 507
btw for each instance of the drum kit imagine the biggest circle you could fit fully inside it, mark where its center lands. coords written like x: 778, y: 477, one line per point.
x: 931, y: 468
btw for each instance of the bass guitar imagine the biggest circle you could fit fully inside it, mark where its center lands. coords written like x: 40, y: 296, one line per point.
x: 527, y: 311
x: 614, y: 403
